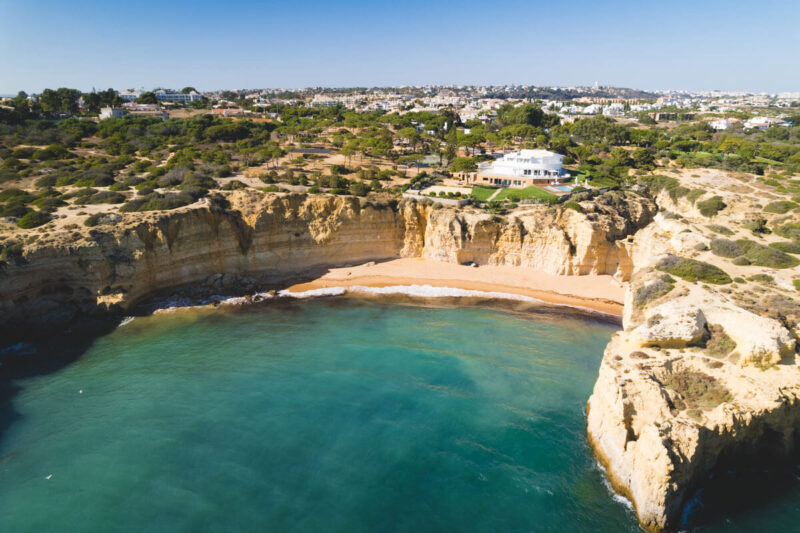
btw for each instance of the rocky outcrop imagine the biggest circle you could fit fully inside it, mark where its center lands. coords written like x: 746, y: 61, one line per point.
x: 251, y: 239
x: 703, y: 374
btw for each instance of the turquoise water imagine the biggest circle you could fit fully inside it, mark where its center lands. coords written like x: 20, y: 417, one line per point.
x: 325, y: 415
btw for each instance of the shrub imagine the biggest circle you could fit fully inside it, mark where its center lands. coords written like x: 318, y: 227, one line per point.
x: 106, y: 197
x: 693, y: 270
x: 574, y: 205
x: 157, y: 202
x: 49, y: 203
x: 719, y: 344
x: 93, y: 220
x: 796, y: 283
x: 780, y: 207
x: 758, y: 225
x: 790, y: 230
x: 789, y: 247
x: 761, y: 278
x: 697, y: 389
x: 752, y: 253
x: 726, y: 248
x: 275, y: 188
x: 722, y: 230
x: 712, y: 206
x: 33, y: 219
x: 119, y: 187
x: 695, y: 195
x: 234, y: 185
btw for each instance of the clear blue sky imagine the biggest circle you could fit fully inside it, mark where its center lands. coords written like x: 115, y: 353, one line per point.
x: 697, y: 44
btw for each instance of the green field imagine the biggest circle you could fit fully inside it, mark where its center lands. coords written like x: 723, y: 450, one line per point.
x: 483, y: 193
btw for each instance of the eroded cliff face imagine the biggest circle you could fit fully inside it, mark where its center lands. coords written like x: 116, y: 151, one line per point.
x: 705, y: 372
x: 256, y: 239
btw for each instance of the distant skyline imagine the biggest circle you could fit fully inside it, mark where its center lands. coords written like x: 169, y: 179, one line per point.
x: 691, y: 45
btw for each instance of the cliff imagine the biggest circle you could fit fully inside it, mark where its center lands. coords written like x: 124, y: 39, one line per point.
x: 250, y: 240
x: 705, y: 371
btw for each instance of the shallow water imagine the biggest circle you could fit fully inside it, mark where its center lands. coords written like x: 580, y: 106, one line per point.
x: 325, y: 415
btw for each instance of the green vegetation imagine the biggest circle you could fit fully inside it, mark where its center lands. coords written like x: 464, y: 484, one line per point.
x: 653, y: 290
x: 780, y: 207
x: 697, y: 390
x: 722, y: 230
x: 33, y: 219
x: 789, y: 247
x: 718, y: 344
x: 761, y: 278
x: 528, y: 193
x: 693, y: 270
x: 747, y: 252
x: 712, y: 206
x: 574, y: 206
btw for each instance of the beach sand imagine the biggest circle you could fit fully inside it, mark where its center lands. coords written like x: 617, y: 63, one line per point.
x: 600, y: 293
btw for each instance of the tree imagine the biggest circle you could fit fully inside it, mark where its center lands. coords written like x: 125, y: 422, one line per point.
x: 464, y: 164
x: 188, y: 90
x: 411, y: 135
x: 148, y: 97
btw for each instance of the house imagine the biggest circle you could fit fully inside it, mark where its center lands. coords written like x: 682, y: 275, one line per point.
x: 522, y: 169
x: 723, y: 123
x: 180, y: 98
x: 129, y: 95
x: 111, y: 112
x: 764, y: 123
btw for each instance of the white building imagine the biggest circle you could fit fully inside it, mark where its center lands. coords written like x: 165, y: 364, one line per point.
x: 522, y: 169
x: 111, y: 112
x: 181, y: 98
x: 129, y: 96
x: 764, y: 123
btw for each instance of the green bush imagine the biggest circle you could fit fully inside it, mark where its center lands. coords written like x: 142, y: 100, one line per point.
x: 722, y: 230
x: 157, y: 202
x: 693, y: 270
x: 719, y: 344
x: 726, y: 248
x: 654, y: 289
x: 712, y: 206
x: 697, y: 390
x: 790, y: 230
x: 574, y: 205
x: 780, y: 207
x: 106, y: 197
x: 796, y: 283
x: 93, y: 220
x: 753, y: 253
x: 761, y: 278
x: 789, y: 247
x: 33, y: 219
x: 234, y: 185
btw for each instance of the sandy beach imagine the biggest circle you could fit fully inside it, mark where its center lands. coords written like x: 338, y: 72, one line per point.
x: 600, y: 293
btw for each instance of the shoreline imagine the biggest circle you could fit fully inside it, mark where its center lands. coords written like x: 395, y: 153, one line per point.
x: 597, y: 293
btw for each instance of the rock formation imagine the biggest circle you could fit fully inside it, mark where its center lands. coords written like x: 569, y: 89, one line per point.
x: 250, y: 239
x: 705, y: 371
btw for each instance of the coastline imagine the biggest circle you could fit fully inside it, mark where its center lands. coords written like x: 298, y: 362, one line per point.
x: 597, y: 293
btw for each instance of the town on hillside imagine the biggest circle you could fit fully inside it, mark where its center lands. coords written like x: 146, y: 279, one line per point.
x: 73, y: 157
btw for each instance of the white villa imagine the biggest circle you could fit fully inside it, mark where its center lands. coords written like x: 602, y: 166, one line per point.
x: 522, y: 169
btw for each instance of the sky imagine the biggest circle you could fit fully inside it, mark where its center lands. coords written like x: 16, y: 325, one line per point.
x: 693, y: 45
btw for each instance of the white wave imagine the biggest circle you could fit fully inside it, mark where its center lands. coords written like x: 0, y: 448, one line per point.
x: 429, y: 291
x: 125, y: 321
x: 313, y: 293
x: 614, y: 494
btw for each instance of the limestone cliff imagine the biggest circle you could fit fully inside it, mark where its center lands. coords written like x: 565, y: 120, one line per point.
x: 705, y: 372
x: 251, y: 239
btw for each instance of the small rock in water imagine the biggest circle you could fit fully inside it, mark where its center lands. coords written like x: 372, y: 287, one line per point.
x: 48, y: 476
